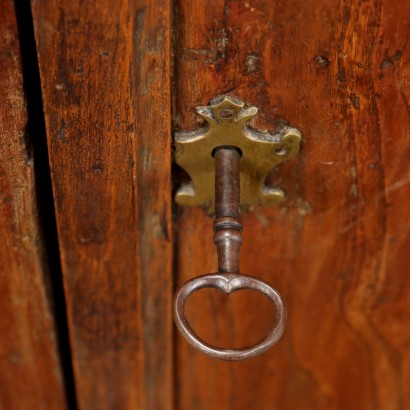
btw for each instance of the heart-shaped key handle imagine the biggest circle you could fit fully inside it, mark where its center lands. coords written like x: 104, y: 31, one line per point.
x: 228, y: 240
x: 229, y: 283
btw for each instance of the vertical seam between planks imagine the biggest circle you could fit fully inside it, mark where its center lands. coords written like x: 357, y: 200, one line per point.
x: 37, y: 142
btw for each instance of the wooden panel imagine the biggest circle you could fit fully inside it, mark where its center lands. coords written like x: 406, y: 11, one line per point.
x: 30, y: 372
x: 105, y: 77
x: 337, y: 249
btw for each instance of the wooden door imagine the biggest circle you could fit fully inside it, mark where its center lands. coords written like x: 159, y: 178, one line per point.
x: 93, y: 245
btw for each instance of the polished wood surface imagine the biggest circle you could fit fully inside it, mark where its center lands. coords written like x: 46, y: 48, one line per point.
x: 30, y: 371
x: 338, y: 248
x: 105, y: 73
x: 112, y: 73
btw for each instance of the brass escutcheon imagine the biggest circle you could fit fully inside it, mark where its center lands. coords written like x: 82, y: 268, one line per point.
x: 227, y: 119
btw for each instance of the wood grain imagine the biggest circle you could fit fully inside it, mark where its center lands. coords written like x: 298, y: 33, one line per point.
x: 337, y: 249
x: 30, y: 371
x: 105, y: 72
